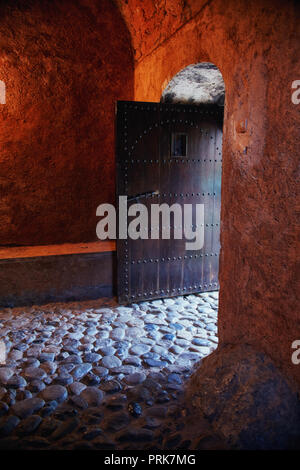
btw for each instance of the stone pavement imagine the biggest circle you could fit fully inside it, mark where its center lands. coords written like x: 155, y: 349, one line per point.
x: 97, y: 375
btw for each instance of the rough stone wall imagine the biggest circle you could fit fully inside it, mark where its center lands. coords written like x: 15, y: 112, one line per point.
x: 248, y: 401
x: 256, y: 47
x: 152, y: 22
x: 64, y: 64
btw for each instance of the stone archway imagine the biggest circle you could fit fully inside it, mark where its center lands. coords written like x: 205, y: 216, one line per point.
x: 258, y: 286
x: 196, y: 84
x: 217, y: 34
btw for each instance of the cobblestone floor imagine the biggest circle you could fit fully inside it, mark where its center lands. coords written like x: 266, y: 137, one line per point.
x: 96, y: 375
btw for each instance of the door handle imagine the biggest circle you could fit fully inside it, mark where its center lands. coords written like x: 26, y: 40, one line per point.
x: 142, y: 195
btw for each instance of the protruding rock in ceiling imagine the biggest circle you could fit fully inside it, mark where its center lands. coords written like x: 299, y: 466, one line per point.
x: 196, y: 84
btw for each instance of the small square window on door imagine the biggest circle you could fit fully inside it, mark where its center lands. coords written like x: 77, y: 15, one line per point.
x: 179, y: 144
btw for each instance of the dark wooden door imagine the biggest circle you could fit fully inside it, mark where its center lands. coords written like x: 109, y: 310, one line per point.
x: 169, y: 154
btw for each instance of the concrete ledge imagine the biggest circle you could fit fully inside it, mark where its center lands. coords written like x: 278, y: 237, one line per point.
x: 56, y: 273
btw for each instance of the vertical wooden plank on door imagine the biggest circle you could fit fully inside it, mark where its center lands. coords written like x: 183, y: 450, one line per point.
x: 165, y: 198
x: 217, y: 203
x: 136, y: 174
x: 175, y: 116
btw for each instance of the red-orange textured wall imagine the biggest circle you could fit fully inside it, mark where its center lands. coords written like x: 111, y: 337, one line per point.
x: 64, y: 64
x: 256, y: 47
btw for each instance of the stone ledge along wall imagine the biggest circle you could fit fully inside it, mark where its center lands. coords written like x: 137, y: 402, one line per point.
x: 64, y: 64
x: 255, y: 45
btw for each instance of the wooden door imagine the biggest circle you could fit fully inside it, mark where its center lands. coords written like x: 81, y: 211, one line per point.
x: 169, y: 153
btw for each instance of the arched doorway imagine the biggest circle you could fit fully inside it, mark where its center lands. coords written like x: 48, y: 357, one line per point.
x: 171, y: 154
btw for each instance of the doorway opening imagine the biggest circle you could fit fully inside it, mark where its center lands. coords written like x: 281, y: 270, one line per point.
x: 197, y: 84
x: 170, y: 154
x: 200, y: 85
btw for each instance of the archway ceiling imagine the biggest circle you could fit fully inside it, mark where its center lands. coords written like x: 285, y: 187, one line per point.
x: 151, y: 22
